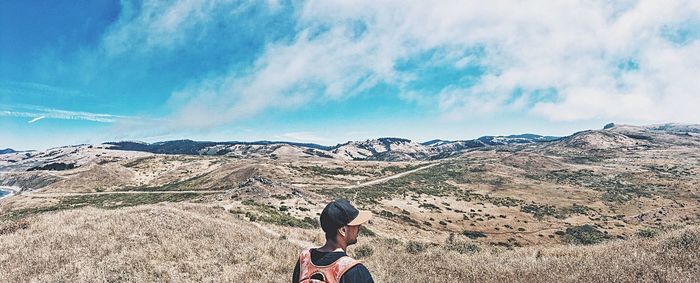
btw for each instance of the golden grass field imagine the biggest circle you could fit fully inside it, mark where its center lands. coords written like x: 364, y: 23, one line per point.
x: 617, y: 205
x: 193, y: 242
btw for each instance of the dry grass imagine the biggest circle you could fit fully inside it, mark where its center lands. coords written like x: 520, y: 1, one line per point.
x: 673, y: 257
x: 143, y: 244
x: 189, y: 242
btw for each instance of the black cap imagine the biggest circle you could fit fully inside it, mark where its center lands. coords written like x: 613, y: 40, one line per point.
x: 340, y: 213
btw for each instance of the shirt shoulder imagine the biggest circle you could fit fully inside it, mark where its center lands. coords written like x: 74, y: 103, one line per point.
x: 357, y: 274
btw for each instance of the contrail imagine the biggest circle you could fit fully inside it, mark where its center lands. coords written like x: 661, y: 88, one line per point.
x: 36, y: 119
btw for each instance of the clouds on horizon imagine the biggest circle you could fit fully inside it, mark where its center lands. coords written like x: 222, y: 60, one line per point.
x: 629, y: 60
x: 228, y: 61
x: 38, y: 113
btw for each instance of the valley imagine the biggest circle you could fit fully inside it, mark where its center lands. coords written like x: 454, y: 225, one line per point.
x: 598, y: 187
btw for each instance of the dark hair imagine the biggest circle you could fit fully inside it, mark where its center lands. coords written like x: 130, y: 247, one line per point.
x: 331, y: 235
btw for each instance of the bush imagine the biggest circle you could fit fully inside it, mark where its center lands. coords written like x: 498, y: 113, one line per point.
x: 364, y: 231
x: 14, y: 226
x: 363, y: 251
x: 429, y: 206
x: 584, y: 235
x: 684, y: 241
x: 414, y: 247
x: 452, y: 244
x: 391, y: 241
x: 647, y: 233
x: 473, y: 234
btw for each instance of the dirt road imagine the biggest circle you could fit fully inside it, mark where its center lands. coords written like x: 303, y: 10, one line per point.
x: 382, y: 180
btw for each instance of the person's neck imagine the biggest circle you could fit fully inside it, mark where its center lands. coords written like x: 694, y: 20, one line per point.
x: 331, y: 246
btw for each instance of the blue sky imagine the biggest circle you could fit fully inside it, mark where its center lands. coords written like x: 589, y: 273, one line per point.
x: 330, y: 71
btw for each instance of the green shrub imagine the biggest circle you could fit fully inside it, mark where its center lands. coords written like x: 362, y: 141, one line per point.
x: 647, y: 233
x: 364, y: 231
x: 414, y: 247
x: 429, y: 206
x: 452, y: 244
x: 585, y: 235
x: 473, y: 234
x: 684, y: 241
x: 363, y: 251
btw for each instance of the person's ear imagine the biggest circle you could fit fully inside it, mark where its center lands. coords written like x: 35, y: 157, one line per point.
x: 343, y: 231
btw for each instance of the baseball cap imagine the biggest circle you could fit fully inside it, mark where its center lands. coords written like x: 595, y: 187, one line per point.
x: 340, y: 213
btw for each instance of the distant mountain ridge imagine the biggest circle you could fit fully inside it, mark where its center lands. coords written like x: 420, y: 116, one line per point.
x: 198, y: 147
x: 7, y: 150
x: 381, y: 149
x: 610, y: 140
x: 400, y: 149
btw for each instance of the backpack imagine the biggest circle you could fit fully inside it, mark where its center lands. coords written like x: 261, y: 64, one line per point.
x: 311, y: 273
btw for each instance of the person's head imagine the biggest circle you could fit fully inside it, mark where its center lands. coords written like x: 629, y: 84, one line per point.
x: 341, y: 222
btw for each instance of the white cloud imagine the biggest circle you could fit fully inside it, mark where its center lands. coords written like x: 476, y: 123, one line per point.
x: 38, y: 113
x: 155, y: 25
x: 574, y: 48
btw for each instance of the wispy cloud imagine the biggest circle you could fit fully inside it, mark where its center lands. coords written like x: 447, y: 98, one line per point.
x: 23, y: 88
x: 39, y: 113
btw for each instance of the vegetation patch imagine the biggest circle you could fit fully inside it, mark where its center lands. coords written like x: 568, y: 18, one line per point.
x: 584, y: 235
x: 107, y: 201
x: 14, y: 226
x: 473, y: 234
x: 433, y: 181
x: 399, y: 169
x: 193, y: 183
x: 687, y: 240
x: 364, y: 231
x: 617, y: 188
x: 330, y: 170
x: 56, y: 166
x: 415, y: 247
x: 401, y: 217
x: 363, y: 251
x: 647, y: 232
x: 452, y: 244
x: 541, y: 211
x: 269, y: 214
x: 429, y: 206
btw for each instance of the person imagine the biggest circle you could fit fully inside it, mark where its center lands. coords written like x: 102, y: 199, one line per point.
x: 330, y: 263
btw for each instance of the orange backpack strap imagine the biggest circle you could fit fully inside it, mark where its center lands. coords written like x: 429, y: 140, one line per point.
x: 332, y: 273
x: 306, y: 268
x: 341, y: 266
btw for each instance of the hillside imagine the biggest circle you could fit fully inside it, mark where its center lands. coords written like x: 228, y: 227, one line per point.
x: 506, y: 197
x: 381, y: 149
x: 138, y: 244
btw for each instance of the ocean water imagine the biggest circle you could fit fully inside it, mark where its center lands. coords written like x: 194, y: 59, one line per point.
x: 3, y: 193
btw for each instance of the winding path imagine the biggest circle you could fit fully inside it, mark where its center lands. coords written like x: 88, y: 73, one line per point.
x: 382, y: 180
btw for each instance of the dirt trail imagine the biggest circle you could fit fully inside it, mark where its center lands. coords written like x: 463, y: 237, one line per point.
x: 382, y: 180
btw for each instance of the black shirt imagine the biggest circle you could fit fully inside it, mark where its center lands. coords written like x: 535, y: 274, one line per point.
x: 356, y: 274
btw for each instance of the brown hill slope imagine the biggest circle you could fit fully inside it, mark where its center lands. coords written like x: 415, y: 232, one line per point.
x: 187, y: 242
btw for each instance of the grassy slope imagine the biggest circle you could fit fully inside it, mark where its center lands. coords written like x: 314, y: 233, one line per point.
x: 188, y: 242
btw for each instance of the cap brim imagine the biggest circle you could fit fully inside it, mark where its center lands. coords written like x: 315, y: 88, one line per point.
x: 361, y: 218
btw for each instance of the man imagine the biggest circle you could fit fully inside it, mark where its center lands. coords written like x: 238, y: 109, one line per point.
x: 330, y: 263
